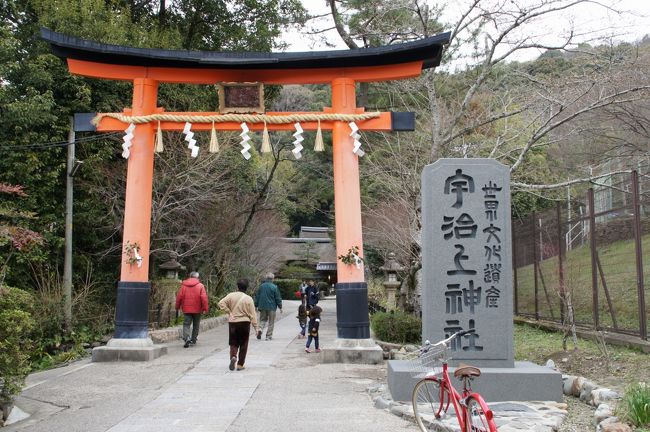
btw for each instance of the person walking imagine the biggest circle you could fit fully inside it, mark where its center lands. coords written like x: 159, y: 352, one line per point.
x: 303, y: 293
x: 302, y: 320
x: 267, y: 301
x: 311, y: 294
x: 193, y: 301
x: 241, y: 315
x: 314, y: 324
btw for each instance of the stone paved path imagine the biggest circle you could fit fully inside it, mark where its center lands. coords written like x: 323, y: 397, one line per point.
x: 191, y: 390
x: 282, y: 389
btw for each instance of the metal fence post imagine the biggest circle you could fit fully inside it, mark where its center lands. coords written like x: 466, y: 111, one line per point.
x: 560, y: 261
x: 514, y: 269
x: 594, y: 265
x: 639, y: 255
x: 535, y: 263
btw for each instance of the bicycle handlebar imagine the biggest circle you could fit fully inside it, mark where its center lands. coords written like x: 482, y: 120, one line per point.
x: 427, y: 345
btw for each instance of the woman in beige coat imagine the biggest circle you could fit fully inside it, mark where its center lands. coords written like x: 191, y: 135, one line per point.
x: 241, y: 314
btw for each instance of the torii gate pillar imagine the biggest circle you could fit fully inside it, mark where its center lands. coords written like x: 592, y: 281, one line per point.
x: 351, y: 290
x: 131, y: 340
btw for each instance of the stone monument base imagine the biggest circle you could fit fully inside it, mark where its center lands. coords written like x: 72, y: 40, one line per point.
x: 128, y: 350
x: 525, y: 382
x: 358, y: 351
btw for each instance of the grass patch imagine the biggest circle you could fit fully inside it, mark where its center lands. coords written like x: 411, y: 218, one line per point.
x: 635, y: 406
x: 619, y: 268
x: 620, y: 368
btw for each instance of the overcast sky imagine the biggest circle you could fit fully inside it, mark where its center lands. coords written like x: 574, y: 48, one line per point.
x: 635, y: 23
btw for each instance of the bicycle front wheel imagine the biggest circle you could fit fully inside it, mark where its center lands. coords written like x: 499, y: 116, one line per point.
x: 478, y: 417
x: 427, y: 402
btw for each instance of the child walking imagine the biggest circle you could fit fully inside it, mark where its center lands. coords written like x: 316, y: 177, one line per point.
x: 314, y: 323
x: 302, y: 320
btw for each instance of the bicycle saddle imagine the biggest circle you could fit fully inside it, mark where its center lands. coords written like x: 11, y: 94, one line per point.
x: 465, y: 371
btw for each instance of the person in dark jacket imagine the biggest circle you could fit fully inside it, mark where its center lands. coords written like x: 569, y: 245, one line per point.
x: 311, y: 294
x: 193, y: 301
x: 267, y: 301
x: 302, y: 320
x: 314, y: 324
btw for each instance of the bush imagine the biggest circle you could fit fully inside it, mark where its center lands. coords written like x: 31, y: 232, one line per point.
x: 396, y: 327
x: 288, y: 288
x: 16, y: 325
x: 297, y: 271
x: 635, y: 405
x: 323, y: 289
x: 213, y: 305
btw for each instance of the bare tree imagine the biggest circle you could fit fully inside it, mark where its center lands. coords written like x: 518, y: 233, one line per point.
x: 481, y: 104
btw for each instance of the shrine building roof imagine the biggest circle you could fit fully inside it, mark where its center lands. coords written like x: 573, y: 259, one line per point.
x: 428, y: 51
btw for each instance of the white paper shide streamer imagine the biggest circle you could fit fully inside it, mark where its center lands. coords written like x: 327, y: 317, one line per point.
x: 126, y: 145
x: 189, y: 137
x: 138, y: 258
x: 357, y: 260
x: 297, y: 143
x: 356, y: 135
x: 244, y: 141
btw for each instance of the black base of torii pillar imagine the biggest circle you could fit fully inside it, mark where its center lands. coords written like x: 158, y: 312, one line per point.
x: 353, y: 344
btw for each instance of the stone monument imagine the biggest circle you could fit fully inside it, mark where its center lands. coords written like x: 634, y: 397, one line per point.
x: 466, y: 259
x: 467, y: 281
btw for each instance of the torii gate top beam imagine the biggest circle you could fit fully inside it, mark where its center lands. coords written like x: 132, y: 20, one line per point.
x: 93, y: 59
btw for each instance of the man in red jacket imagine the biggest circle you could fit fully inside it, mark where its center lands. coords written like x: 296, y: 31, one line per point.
x: 193, y: 300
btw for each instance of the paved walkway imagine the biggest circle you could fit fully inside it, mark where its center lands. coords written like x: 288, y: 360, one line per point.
x: 191, y: 390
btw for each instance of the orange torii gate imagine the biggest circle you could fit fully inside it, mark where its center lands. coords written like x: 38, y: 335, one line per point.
x: 146, y: 68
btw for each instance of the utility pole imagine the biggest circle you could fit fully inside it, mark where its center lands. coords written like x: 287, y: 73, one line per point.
x: 67, y: 264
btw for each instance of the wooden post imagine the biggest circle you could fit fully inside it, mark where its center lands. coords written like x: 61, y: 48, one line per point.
x: 535, y: 264
x: 352, y: 319
x: 347, y: 193
x: 594, y: 264
x: 643, y: 329
x: 67, y: 259
x: 139, y: 181
x: 560, y: 261
x: 132, y: 306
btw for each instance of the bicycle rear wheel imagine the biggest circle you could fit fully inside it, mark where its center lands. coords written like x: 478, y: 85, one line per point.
x: 479, y: 417
x: 427, y: 402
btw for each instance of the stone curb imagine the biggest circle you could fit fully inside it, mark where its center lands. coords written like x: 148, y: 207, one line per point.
x: 602, y: 398
x: 172, y: 334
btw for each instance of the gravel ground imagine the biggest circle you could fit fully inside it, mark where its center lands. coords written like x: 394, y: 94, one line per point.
x: 580, y: 417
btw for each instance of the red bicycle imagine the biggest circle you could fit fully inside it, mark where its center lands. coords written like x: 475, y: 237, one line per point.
x: 434, y: 393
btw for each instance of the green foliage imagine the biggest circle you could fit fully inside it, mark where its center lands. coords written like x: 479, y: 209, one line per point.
x: 396, y: 327
x: 635, y: 405
x: 213, y: 310
x: 297, y: 271
x: 323, y: 288
x: 16, y: 325
x: 38, y: 95
x: 288, y: 287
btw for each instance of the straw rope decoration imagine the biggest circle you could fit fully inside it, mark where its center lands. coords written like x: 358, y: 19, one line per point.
x: 266, y: 141
x: 239, y: 118
x: 158, y: 146
x: 214, y: 142
x: 318, y: 142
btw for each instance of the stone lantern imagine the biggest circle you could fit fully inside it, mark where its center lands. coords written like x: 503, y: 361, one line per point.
x: 391, y: 284
x: 172, y: 267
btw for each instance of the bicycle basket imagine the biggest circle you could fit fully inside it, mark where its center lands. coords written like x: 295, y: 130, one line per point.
x: 428, y: 361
